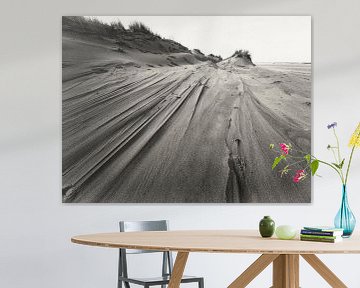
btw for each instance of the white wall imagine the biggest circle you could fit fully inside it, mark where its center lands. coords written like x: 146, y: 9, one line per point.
x: 35, y: 227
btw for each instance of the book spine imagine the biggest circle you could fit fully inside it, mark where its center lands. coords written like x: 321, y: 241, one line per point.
x: 318, y: 240
x: 319, y: 233
x: 318, y: 236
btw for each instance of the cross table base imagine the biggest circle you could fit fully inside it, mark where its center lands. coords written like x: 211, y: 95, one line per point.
x: 285, y: 270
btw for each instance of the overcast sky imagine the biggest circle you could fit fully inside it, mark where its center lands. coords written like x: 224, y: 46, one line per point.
x: 268, y: 38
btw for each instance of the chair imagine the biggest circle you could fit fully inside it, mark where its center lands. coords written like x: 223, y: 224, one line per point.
x: 167, y: 262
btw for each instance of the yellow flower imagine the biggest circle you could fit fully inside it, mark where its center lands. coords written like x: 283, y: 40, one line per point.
x: 355, y: 138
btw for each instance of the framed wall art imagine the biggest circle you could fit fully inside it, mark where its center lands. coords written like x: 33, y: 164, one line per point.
x: 182, y: 109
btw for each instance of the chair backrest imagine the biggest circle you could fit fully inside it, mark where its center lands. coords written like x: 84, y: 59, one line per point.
x: 134, y: 226
x: 137, y: 226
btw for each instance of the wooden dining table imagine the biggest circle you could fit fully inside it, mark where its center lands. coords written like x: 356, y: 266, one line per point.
x: 283, y: 254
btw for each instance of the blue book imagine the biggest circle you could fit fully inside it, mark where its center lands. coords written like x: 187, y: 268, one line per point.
x: 322, y: 231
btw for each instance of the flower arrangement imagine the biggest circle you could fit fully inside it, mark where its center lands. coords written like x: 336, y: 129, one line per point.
x: 291, y: 157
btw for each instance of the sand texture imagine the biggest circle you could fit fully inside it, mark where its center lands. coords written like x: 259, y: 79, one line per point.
x: 145, y: 126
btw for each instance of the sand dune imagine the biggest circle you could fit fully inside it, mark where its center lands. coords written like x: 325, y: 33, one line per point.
x: 167, y: 127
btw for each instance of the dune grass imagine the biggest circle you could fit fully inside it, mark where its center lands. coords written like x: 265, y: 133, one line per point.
x: 136, y: 36
x: 117, y: 25
x: 94, y: 25
x: 243, y: 54
x: 198, y: 51
x: 216, y: 56
x: 137, y: 26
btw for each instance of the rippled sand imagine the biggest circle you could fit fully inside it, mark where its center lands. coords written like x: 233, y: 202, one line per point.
x: 175, y: 132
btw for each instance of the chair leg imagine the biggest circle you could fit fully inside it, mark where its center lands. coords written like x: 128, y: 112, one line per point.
x: 119, y: 270
x: 201, y: 283
x: 164, y: 266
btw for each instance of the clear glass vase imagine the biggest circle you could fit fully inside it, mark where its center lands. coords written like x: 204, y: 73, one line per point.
x: 345, y: 219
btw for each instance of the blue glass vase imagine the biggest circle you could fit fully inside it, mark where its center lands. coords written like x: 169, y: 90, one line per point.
x: 345, y: 219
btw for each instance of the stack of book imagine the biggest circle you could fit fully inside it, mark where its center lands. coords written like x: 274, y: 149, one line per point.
x: 321, y: 234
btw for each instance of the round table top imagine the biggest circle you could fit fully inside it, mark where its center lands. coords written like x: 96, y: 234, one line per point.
x: 217, y: 241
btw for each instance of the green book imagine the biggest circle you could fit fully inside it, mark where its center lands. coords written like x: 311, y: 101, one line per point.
x: 325, y: 240
x: 319, y: 236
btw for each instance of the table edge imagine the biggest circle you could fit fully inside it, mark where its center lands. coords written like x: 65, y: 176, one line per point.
x: 203, y: 250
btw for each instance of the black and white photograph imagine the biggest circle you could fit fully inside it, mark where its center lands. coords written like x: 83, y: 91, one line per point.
x: 185, y: 109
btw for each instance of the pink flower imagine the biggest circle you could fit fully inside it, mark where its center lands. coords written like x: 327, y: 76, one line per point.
x: 284, y: 148
x: 299, y: 175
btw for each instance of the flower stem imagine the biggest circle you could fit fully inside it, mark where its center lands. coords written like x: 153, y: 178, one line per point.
x: 336, y: 160
x: 339, y: 155
x: 337, y: 171
x: 348, y: 167
x: 297, y: 162
x: 338, y: 145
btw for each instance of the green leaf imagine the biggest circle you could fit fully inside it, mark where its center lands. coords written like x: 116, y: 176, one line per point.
x: 271, y: 146
x: 342, y: 163
x: 336, y: 165
x: 277, y: 161
x: 308, y: 158
x: 314, y: 167
x: 339, y: 166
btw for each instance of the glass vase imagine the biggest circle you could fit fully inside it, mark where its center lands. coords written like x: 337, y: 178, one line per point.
x: 345, y: 219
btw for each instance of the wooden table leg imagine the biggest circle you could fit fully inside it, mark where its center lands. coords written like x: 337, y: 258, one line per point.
x: 324, y: 271
x: 178, y: 269
x: 253, y: 270
x: 286, y: 271
x: 293, y: 262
